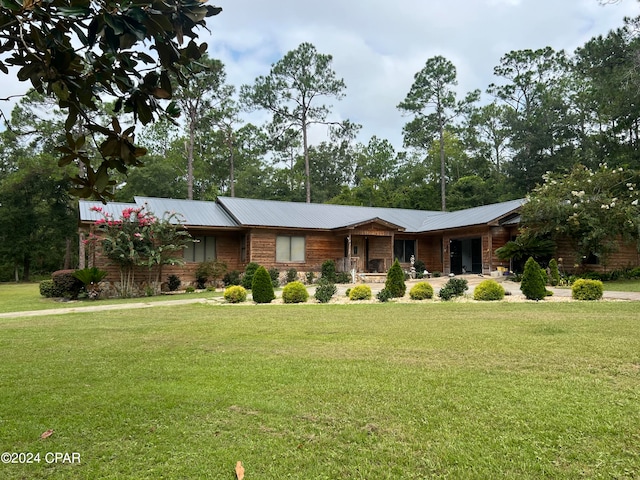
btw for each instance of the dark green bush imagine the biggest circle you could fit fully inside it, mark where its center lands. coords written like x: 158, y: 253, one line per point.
x: 310, y: 276
x: 274, y: 274
x: 249, y: 272
x: 533, y: 285
x: 235, y: 294
x: 325, y: 291
x: 360, y: 292
x: 488, y: 290
x: 328, y: 271
x: 190, y: 289
x: 173, y: 283
x: 585, y: 289
x: 66, y: 284
x: 48, y: 289
x: 292, y: 275
x: 262, y: 288
x: 232, y: 278
x: 384, y: 295
x: 421, y: 291
x: 209, y: 271
x: 90, y: 275
x: 420, y: 267
x: 554, y: 273
x: 395, y: 280
x: 455, y: 287
x: 343, y: 277
x: 295, y: 292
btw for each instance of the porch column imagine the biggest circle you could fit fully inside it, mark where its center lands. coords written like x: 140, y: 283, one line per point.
x: 81, y: 253
x: 348, y: 265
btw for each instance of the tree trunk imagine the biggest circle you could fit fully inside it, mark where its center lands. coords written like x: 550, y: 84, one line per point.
x: 305, y: 146
x: 442, y: 170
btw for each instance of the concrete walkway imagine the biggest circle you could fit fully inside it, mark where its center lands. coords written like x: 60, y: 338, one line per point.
x: 437, y: 283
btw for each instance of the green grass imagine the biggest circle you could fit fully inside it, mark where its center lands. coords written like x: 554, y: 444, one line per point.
x: 623, y: 286
x: 21, y: 297
x: 377, y: 391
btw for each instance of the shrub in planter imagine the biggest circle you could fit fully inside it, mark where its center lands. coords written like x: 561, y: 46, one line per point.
x: 232, y: 278
x: 421, y: 291
x: 235, y: 294
x: 48, y: 289
x: 292, y: 275
x: 533, y: 286
x: 249, y: 272
x: 360, y: 292
x: 384, y: 295
x: 584, y: 289
x: 343, y: 277
x: 325, y: 291
x: 66, y: 284
x: 488, y: 290
x: 262, y: 288
x: 295, y: 292
x: 173, y: 283
x: 274, y: 273
x: 455, y: 287
x: 395, y: 280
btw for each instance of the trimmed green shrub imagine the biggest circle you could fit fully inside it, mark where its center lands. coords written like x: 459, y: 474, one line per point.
x: 274, y: 274
x: 343, y: 277
x: 249, y: 272
x: 584, y: 289
x: 235, y: 294
x: 232, y: 278
x: 328, y: 271
x: 262, y: 288
x: 292, y: 275
x: 325, y: 291
x: 90, y: 275
x: 48, y: 289
x: 488, y: 290
x: 209, y: 270
x: 421, y: 291
x: 554, y: 273
x: 310, y: 276
x: 420, y: 267
x: 395, y: 280
x: 190, y: 289
x: 173, y: 283
x: 66, y: 284
x: 360, y: 292
x: 295, y: 292
x: 455, y: 287
x: 533, y: 285
x: 384, y: 295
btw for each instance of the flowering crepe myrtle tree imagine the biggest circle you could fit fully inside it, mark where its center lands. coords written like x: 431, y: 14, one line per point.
x: 139, y: 239
x: 594, y: 209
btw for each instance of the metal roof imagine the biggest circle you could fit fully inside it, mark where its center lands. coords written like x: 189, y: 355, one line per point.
x: 471, y: 216
x: 233, y: 212
x: 193, y: 212
x: 273, y: 213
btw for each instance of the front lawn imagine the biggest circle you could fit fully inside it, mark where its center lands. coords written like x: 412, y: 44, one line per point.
x: 375, y: 391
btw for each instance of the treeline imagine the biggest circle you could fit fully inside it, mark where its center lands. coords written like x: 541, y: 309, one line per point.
x: 549, y: 111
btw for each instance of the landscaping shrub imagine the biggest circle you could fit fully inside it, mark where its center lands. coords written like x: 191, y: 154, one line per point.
x: 532, y: 284
x: 292, y: 275
x: 554, y: 273
x: 455, y: 287
x: 173, y: 283
x: 48, y: 289
x: 488, y: 290
x: 325, y: 291
x: 310, y: 276
x: 232, y: 278
x: 66, y: 284
x: 384, y: 295
x: 328, y: 271
x: 274, y: 274
x: 295, y: 292
x: 249, y: 272
x: 262, y: 288
x: 189, y: 289
x: 421, y: 291
x: 343, y: 277
x: 90, y: 275
x: 395, y: 280
x: 210, y: 270
x: 235, y: 294
x: 420, y: 267
x: 360, y: 292
x: 585, y: 289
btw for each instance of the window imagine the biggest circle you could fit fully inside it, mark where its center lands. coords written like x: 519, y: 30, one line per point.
x: 290, y: 249
x: 403, y: 249
x: 203, y: 248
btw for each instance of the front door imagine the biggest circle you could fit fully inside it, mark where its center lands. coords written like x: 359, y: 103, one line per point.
x: 359, y: 251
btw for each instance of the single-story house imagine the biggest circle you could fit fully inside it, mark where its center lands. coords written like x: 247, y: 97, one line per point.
x: 286, y: 235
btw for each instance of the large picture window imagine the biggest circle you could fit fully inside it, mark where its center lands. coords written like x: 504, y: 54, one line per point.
x: 201, y: 250
x: 289, y: 249
x: 403, y: 249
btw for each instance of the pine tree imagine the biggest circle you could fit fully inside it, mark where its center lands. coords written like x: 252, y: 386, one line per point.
x: 395, y: 280
x: 262, y: 288
x: 533, y: 285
